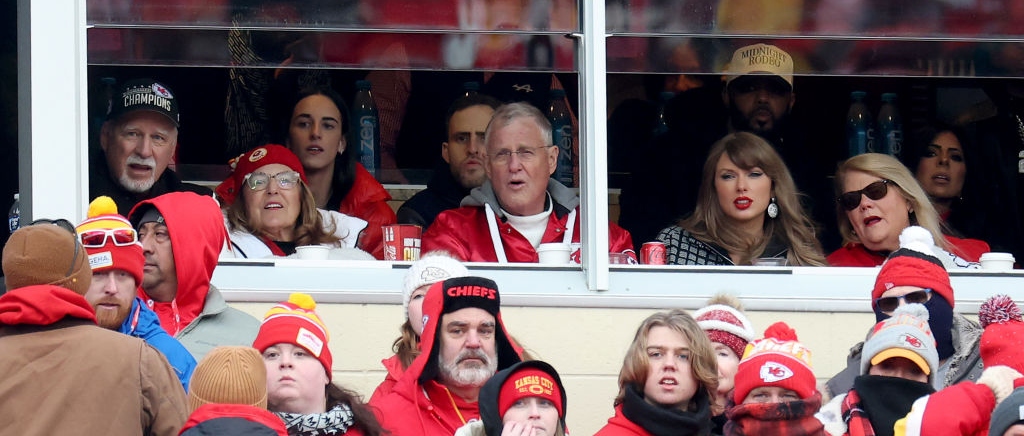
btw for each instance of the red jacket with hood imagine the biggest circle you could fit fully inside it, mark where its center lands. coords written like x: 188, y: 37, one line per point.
x: 421, y: 406
x: 196, y: 228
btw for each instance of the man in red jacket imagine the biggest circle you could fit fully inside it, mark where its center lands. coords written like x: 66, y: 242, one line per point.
x: 464, y: 343
x: 519, y: 207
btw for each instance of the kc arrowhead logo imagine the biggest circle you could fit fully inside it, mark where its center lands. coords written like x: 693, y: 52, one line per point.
x: 772, y: 372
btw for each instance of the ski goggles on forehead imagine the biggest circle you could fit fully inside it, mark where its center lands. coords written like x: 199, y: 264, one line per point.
x: 875, y: 191
x: 98, y: 238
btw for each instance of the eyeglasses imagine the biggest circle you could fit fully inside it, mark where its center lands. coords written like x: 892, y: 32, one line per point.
x: 98, y: 237
x: 260, y: 181
x: 875, y: 191
x: 526, y: 154
x: 889, y: 304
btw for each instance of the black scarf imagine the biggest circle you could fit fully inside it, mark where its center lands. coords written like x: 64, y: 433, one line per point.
x: 660, y: 421
x: 336, y: 421
x: 888, y: 399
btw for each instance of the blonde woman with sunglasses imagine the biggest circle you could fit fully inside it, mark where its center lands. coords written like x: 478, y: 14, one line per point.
x: 878, y: 197
x: 270, y: 210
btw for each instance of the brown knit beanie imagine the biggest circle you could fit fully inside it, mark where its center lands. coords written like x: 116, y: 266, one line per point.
x: 229, y: 375
x: 45, y: 254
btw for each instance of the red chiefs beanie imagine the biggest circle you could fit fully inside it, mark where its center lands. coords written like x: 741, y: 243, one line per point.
x: 914, y: 264
x: 529, y: 382
x: 102, y: 222
x: 1004, y: 333
x: 249, y: 161
x: 777, y: 360
x: 295, y: 322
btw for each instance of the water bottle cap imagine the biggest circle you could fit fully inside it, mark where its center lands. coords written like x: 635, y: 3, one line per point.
x: 666, y: 95
x: 858, y: 95
x: 889, y: 96
x: 557, y: 93
x: 15, y: 196
x: 471, y: 86
x: 363, y: 85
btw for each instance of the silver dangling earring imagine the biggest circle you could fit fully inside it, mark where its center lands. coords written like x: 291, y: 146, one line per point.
x: 773, y: 209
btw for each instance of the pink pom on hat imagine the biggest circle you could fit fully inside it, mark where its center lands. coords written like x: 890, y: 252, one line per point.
x: 1004, y: 333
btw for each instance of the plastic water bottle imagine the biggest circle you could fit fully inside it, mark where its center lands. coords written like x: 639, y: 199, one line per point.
x: 660, y: 125
x: 890, y: 126
x: 366, y: 127
x: 561, y: 136
x: 860, y: 131
x: 14, y: 217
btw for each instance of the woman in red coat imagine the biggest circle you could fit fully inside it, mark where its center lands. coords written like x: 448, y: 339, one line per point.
x: 879, y: 197
x: 316, y: 134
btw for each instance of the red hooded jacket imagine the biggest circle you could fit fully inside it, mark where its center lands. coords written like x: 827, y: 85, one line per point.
x: 368, y: 200
x: 196, y: 228
x: 421, y: 406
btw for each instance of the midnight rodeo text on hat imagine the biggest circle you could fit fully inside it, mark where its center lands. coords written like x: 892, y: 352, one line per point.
x: 763, y: 55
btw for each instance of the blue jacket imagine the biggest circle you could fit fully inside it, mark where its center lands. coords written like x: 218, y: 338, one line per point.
x: 142, y: 323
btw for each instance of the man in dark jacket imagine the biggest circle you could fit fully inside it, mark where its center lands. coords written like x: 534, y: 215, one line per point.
x: 63, y: 374
x: 463, y: 153
x: 138, y: 142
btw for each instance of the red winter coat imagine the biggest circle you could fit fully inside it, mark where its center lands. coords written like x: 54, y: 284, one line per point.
x: 394, y: 367
x: 619, y: 425
x: 962, y: 409
x: 368, y: 200
x: 854, y: 254
x: 429, y: 409
x: 464, y: 232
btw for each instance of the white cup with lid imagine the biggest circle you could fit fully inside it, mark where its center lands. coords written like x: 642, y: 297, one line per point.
x: 313, y: 252
x: 996, y: 261
x: 553, y: 253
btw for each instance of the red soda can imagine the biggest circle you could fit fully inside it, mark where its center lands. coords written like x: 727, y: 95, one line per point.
x: 652, y: 253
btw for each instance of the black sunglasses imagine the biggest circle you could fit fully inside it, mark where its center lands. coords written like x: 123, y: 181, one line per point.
x: 875, y: 191
x: 889, y: 304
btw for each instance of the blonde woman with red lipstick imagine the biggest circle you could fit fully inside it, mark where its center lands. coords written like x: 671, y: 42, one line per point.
x: 747, y: 208
x: 877, y: 198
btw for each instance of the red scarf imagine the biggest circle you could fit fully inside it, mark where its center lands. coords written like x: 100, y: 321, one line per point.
x: 857, y: 421
x: 43, y: 305
x: 792, y: 418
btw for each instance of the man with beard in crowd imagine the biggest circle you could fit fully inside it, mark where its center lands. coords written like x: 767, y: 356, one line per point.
x: 464, y: 343
x: 463, y: 154
x: 115, y: 256
x: 138, y: 140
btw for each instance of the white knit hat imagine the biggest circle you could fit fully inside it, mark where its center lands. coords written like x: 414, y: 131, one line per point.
x: 432, y: 267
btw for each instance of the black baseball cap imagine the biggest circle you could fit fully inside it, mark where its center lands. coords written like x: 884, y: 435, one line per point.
x: 144, y: 94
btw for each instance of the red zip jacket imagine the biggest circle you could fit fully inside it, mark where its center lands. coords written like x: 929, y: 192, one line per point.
x: 464, y: 232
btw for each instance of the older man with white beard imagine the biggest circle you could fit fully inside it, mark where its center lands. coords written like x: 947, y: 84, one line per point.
x: 138, y: 141
x: 464, y: 343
